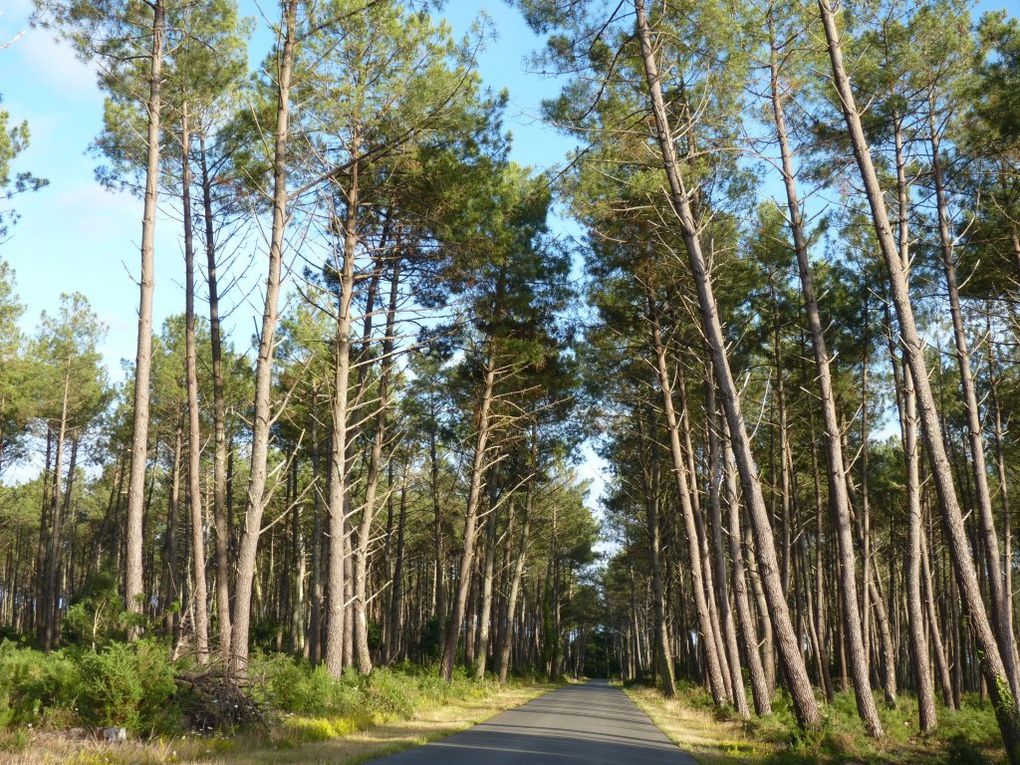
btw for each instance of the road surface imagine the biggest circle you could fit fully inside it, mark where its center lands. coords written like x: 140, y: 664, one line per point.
x: 590, y: 723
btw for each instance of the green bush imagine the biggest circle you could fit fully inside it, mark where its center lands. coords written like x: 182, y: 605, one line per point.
x: 289, y: 685
x: 130, y: 685
x: 133, y: 685
x: 34, y: 684
x: 96, y: 615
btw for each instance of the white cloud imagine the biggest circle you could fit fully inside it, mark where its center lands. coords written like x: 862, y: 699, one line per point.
x: 55, y: 63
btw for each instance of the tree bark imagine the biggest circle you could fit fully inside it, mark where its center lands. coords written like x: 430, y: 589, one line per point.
x: 760, y: 690
x: 133, y: 582
x: 55, y: 543
x: 220, y: 509
x: 200, y: 595
x: 991, y: 660
x: 836, y: 466
x: 714, y: 668
x: 805, y: 705
x: 1001, y: 607
x: 335, y: 659
x: 478, y: 465
x: 263, y: 415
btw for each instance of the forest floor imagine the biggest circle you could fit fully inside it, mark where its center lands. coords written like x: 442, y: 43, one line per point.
x: 966, y: 737
x: 295, y: 739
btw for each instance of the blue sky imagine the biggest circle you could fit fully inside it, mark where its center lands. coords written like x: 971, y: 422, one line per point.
x: 76, y: 236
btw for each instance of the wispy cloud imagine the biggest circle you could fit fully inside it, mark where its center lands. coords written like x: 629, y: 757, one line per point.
x: 56, y: 64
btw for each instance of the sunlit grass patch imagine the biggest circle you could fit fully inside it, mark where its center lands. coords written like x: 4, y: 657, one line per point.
x: 969, y: 736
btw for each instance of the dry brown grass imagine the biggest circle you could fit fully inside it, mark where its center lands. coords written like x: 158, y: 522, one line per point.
x: 712, y: 741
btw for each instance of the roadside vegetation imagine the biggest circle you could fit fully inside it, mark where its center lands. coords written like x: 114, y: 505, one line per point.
x: 967, y: 736
x: 64, y: 705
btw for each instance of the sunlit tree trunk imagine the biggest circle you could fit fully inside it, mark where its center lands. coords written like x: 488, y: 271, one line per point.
x: 263, y: 415
x: 133, y: 582
x: 991, y: 660
x: 805, y: 705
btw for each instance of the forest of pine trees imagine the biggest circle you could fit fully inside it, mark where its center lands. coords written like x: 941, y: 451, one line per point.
x: 788, y: 328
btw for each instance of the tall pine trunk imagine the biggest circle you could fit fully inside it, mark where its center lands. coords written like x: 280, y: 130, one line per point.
x: 991, y: 661
x: 263, y: 415
x: 478, y: 465
x: 199, y: 596
x: 133, y: 575
x: 794, y: 670
x: 220, y: 510
x: 835, y: 465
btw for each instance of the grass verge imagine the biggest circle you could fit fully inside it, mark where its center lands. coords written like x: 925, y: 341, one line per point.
x: 965, y: 737
x: 712, y: 738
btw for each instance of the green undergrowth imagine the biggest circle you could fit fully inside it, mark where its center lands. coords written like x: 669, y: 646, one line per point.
x: 315, y: 707
x: 130, y: 686
x: 969, y: 736
x: 43, y: 696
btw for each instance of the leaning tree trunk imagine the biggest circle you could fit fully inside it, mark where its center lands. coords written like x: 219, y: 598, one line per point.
x: 716, y: 682
x: 133, y: 575
x: 745, y: 618
x: 907, y: 401
x: 263, y: 416
x: 1001, y: 605
x: 805, y: 704
x: 836, y: 467
x: 991, y: 661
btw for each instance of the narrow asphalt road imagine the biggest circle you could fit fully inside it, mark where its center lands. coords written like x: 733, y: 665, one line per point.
x: 594, y: 722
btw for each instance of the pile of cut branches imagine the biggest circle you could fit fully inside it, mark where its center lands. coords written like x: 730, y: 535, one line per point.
x: 215, y: 702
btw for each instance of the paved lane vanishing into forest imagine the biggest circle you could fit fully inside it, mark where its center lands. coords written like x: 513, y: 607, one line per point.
x: 594, y: 722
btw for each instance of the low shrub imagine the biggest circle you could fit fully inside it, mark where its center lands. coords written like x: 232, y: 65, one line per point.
x: 129, y: 685
x: 136, y: 686
x: 35, y: 685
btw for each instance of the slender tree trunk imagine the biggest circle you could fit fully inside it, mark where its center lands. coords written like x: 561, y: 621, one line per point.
x: 915, y: 607
x: 714, y: 669
x: 51, y: 596
x: 314, y: 641
x: 171, y: 575
x: 760, y: 689
x: 485, y: 612
x: 1000, y: 463
x: 340, y: 470
x: 133, y: 583
x: 963, y: 564
x: 263, y: 415
x: 805, y: 705
x: 908, y: 403
x: 836, y: 469
x: 437, y: 528
x: 506, y: 634
x: 220, y: 520
x: 199, y: 596
x: 396, y: 605
x: 989, y: 538
x: 364, y: 658
x: 478, y: 466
